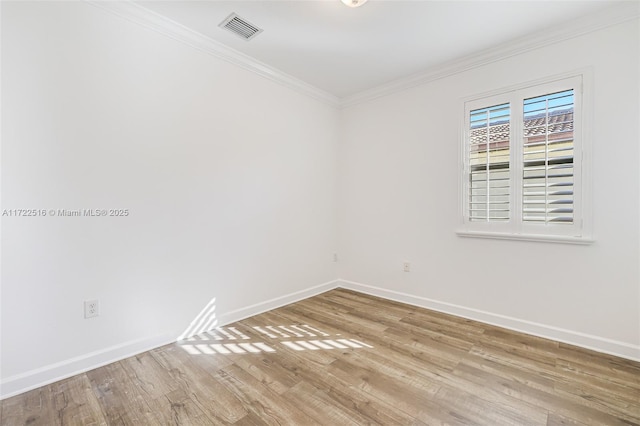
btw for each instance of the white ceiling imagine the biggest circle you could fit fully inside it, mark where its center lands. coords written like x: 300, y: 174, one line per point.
x: 345, y: 51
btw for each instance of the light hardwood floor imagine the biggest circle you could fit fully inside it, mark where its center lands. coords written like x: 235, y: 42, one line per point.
x: 344, y: 358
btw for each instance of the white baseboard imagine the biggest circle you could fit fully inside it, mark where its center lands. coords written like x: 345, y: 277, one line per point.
x: 258, y: 308
x: 596, y: 343
x: 36, y: 378
x: 29, y: 380
x: 42, y: 376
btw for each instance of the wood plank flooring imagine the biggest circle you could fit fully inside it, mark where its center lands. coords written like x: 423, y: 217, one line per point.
x: 345, y: 358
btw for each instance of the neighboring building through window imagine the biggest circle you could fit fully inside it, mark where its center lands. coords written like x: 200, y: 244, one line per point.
x: 523, y: 165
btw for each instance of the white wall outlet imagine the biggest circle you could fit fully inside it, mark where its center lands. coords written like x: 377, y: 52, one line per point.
x: 406, y: 266
x: 91, y: 308
x: 335, y: 257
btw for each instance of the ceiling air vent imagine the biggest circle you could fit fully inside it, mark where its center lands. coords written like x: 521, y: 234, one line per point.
x: 240, y: 27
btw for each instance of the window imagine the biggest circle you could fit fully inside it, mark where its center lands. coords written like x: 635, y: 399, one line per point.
x: 523, y: 163
x: 489, y: 164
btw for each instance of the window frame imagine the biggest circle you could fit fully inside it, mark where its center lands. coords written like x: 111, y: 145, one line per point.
x: 579, y: 232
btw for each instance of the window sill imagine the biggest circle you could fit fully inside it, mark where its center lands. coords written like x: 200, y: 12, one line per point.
x: 562, y: 239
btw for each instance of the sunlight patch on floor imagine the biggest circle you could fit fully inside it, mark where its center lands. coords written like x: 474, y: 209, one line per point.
x: 229, y: 340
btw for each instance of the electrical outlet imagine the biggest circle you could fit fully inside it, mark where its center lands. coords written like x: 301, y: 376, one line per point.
x: 91, y: 308
x: 335, y: 257
x: 406, y: 266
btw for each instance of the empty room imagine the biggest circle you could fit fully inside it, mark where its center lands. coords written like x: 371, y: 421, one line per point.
x: 322, y: 212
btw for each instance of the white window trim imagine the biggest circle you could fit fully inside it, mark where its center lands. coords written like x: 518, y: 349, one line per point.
x: 515, y: 229
x: 526, y: 237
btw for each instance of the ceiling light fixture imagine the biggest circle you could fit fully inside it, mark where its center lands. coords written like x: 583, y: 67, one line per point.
x: 354, y: 3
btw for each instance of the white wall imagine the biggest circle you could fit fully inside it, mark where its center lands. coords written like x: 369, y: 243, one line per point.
x: 399, y: 174
x: 229, y: 179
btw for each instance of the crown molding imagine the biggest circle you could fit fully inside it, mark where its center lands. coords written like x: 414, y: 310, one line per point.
x: 626, y: 11
x: 613, y: 16
x: 142, y: 16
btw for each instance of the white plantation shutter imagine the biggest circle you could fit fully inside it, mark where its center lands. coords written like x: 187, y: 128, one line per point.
x: 548, y: 155
x: 489, y: 160
x: 524, y: 151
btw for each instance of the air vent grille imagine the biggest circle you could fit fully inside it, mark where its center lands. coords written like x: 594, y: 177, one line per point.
x: 240, y: 27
